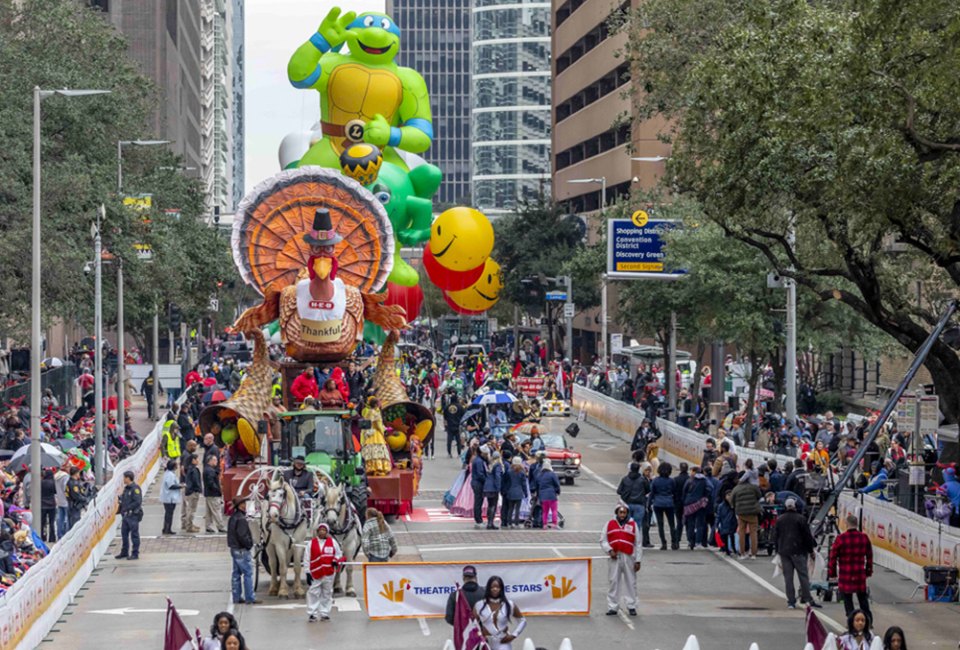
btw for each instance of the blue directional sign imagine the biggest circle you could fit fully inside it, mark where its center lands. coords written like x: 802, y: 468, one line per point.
x: 635, y: 248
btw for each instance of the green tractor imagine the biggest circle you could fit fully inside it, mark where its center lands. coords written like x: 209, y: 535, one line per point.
x: 325, y: 439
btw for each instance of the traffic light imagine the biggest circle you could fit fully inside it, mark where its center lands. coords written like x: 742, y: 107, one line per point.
x: 175, y: 317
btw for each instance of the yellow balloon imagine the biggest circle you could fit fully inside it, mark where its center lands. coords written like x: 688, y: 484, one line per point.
x: 461, y: 239
x: 482, y: 294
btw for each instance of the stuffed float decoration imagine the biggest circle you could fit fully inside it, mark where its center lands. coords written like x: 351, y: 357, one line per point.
x: 364, y: 95
x: 318, y: 246
x: 236, y: 418
x: 409, y: 425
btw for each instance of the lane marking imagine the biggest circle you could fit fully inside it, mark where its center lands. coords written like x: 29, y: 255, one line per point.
x: 557, y: 551
x: 596, y: 477
x: 423, y: 626
x: 769, y: 587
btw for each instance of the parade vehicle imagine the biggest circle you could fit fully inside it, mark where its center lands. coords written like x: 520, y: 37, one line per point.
x: 554, y: 407
x: 565, y: 461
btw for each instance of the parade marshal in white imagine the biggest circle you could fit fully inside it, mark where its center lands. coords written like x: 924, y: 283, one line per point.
x: 620, y: 543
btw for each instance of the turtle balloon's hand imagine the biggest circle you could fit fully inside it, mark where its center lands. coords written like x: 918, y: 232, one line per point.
x: 334, y: 26
x: 377, y: 131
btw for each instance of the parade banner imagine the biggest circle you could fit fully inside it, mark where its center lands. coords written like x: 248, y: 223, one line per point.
x: 530, y: 386
x: 903, y: 541
x: 555, y: 586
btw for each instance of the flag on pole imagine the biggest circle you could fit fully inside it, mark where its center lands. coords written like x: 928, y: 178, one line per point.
x: 517, y: 368
x: 176, y: 636
x: 816, y: 633
x: 479, y: 375
x: 466, y: 632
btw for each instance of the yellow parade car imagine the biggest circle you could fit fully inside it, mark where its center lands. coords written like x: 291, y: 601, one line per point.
x: 554, y: 407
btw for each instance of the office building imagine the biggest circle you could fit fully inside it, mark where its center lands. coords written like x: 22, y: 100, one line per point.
x: 511, y: 112
x: 436, y: 43
x: 591, y: 127
x: 237, y: 42
x: 187, y: 49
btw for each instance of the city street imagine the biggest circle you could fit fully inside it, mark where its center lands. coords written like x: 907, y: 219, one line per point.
x: 727, y: 604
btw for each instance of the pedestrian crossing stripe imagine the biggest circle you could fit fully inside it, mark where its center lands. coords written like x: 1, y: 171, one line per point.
x: 433, y: 515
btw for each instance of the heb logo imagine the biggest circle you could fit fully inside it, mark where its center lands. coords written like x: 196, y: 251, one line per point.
x: 321, y: 304
x: 394, y: 594
x: 563, y: 590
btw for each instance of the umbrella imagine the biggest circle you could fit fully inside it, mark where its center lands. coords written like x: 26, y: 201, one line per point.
x: 209, y: 381
x: 53, y: 362
x: 110, y: 403
x: 216, y: 396
x: 66, y: 444
x: 50, y: 456
x: 527, y: 427
x: 471, y: 412
x: 495, y: 397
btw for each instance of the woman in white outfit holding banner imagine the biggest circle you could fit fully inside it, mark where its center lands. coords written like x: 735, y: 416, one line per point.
x: 494, y: 613
x: 619, y: 541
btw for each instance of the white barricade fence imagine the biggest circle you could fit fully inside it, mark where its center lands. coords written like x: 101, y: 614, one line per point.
x: 556, y: 586
x: 903, y: 541
x: 31, y: 607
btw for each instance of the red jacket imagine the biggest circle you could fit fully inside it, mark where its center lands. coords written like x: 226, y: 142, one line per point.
x: 852, y: 554
x: 340, y: 379
x: 192, y: 377
x: 304, y: 386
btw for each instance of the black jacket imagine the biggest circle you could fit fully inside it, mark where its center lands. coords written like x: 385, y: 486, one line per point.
x: 474, y: 594
x: 131, y: 501
x: 633, y: 489
x: 48, y: 493
x: 679, y: 482
x: 77, y: 496
x: 193, y: 481
x: 792, y: 534
x: 211, y: 482
x: 238, y: 531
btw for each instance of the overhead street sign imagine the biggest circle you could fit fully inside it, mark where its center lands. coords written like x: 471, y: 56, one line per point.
x: 635, y: 248
x: 559, y: 296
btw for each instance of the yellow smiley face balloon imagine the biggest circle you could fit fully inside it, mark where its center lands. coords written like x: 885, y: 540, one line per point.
x: 482, y: 294
x: 461, y: 239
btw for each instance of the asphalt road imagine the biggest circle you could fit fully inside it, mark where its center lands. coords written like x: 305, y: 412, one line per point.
x: 727, y: 604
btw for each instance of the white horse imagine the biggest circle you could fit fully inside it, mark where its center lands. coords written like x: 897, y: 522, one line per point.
x: 344, y: 523
x: 286, y: 532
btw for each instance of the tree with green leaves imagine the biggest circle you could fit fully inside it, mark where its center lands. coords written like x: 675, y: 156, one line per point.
x: 833, y: 119
x: 537, y: 241
x: 64, y: 44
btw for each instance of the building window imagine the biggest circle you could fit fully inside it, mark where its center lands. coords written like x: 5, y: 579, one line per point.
x: 594, y: 146
x: 599, y: 88
x: 587, y: 42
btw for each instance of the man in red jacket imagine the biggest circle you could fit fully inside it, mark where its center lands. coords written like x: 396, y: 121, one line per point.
x: 619, y: 541
x: 304, y: 386
x: 321, y: 559
x: 852, y: 554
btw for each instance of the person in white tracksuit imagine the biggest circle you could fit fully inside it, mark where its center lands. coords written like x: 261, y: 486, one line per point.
x: 321, y: 559
x: 619, y: 541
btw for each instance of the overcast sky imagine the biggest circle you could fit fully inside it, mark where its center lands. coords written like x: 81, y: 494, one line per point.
x: 274, y: 108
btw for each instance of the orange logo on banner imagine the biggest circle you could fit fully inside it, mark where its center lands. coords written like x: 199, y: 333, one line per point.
x: 565, y: 589
x: 394, y: 594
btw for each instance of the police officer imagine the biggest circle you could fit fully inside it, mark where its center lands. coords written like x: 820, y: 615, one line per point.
x: 131, y: 512
x: 299, y: 478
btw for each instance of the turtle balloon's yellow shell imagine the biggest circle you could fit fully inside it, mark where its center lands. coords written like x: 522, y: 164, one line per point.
x: 361, y: 162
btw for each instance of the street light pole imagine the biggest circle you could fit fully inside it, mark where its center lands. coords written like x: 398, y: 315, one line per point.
x: 672, y: 369
x: 121, y: 369
x: 603, y: 319
x: 569, y: 317
x: 156, y: 362
x: 35, y: 334
x: 790, y: 374
x: 603, y: 287
x: 98, y: 357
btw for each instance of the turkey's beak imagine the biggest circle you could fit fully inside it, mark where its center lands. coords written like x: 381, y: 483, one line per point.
x: 322, y: 267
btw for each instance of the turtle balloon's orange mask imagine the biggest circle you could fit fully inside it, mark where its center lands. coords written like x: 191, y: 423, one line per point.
x: 322, y: 267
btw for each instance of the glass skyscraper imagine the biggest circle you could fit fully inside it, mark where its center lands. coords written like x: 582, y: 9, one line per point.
x: 511, y: 110
x: 435, y: 41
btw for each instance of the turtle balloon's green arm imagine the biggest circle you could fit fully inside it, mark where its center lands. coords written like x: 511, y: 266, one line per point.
x: 420, y: 213
x: 415, y: 132
x: 304, y: 68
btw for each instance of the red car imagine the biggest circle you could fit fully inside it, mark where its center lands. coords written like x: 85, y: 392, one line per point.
x: 565, y: 461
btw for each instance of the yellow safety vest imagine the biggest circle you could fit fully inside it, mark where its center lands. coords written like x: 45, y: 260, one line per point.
x: 276, y: 391
x: 173, y: 443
